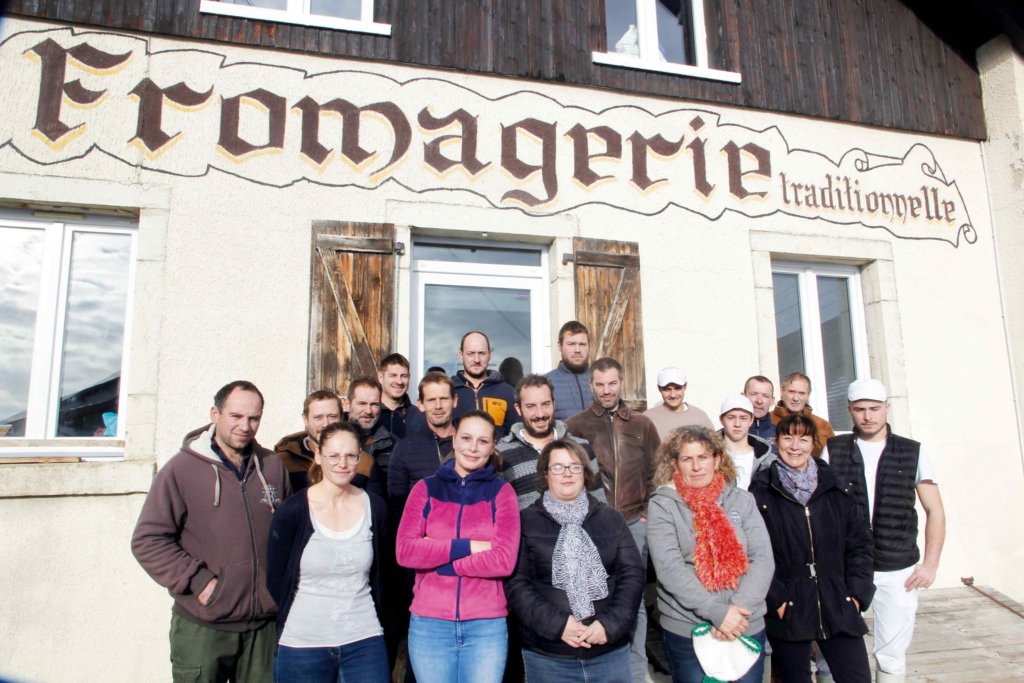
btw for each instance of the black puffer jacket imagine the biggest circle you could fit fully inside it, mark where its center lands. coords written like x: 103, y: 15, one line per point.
x: 822, y: 559
x: 543, y: 610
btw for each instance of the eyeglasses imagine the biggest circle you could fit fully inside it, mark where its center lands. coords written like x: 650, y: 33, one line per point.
x: 335, y: 458
x: 574, y: 468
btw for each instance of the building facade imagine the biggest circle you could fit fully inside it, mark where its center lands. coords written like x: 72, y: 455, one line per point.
x: 193, y: 192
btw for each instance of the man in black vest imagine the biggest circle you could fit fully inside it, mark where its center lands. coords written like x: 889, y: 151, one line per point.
x: 884, y: 471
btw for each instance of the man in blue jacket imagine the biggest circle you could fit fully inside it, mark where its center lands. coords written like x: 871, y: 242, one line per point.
x: 478, y: 388
x: 571, y: 378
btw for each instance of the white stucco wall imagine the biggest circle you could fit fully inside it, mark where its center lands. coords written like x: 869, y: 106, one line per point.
x: 224, y: 294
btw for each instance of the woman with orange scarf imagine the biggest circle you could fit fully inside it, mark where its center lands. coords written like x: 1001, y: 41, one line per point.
x: 710, y: 550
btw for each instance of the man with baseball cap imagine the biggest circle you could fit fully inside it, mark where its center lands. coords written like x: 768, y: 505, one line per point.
x: 673, y: 411
x: 746, y: 450
x: 884, y: 472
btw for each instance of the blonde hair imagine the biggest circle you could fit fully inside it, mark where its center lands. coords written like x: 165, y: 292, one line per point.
x: 670, y: 448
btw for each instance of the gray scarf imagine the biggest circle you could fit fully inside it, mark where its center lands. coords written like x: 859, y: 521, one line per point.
x: 799, y: 483
x: 576, y: 565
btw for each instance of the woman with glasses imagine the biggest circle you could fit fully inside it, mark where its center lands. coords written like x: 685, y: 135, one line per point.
x: 324, y: 574
x: 460, y: 533
x: 579, y: 579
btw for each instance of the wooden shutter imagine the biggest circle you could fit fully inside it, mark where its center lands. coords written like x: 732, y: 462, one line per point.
x: 352, y: 301
x: 607, y: 275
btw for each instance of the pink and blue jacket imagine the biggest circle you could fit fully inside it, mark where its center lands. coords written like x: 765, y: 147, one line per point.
x: 442, y: 515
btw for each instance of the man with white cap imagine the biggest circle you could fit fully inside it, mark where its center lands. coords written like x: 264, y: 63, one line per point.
x: 884, y: 472
x: 746, y: 450
x: 673, y: 412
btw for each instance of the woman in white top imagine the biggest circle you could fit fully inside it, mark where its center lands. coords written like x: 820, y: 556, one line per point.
x: 323, y: 572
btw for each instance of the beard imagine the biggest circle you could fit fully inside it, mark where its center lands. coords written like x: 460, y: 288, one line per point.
x: 573, y: 366
x: 532, y: 430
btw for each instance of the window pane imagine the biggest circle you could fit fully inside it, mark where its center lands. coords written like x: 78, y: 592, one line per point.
x: 620, y: 24
x: 345, y: 9
x: 837, y: 343
x: 449, y: 311
x: 21, y: 268
x: 90, y: 371
x: 673, y: 19
x: 461, y: 253
x: 788, y: 330
x: 265, y: 4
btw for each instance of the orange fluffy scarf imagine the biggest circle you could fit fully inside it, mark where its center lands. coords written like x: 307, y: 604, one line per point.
x: 718, y: 556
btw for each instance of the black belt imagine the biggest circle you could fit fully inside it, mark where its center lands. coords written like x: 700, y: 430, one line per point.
x: 809, y: 570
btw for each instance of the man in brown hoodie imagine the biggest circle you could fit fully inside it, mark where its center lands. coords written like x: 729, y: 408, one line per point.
x: 202, y: 534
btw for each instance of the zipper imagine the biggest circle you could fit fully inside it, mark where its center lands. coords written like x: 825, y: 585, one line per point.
x: 814, y: 572
x: 458, y: 534
x: 579, y: 389
x: 615, y: 457
x: 255, y: 559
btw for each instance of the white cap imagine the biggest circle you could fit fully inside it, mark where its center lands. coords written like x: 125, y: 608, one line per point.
x: 671, y: 376
x: 867, y: 390
x: 736, y: 402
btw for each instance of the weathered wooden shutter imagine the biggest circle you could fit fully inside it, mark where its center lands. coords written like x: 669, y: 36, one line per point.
x: 352, y: 301
x: 607, y: 275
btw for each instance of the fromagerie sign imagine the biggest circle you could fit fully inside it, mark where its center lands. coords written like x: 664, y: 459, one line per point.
x: 197, y: 112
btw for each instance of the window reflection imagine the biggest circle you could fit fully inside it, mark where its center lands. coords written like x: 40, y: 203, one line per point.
x: 673, y: 35
x: 620, y: 24
x: 21, y: 267
x: 345, y: 9
x: 461, y: 253
x: 788, y: 328
x: 263, y: 4
x: 450, y: 311
x: 837, y: 345
x: 91, y: 354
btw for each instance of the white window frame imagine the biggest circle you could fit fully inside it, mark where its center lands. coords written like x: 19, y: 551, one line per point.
x: 450, y: 273
x: 647, y: 28
x: 43, y: 404
x: 810, y: 321
x: 297, y: 12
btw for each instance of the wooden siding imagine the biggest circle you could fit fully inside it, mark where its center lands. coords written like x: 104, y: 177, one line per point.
x: 863, y: 61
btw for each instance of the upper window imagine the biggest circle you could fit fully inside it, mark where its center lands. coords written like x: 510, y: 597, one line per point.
x: 346, y: 15
x: 819, y: 323
x: 659, y: 35
x: 498, y: 289
x: 64, y: 303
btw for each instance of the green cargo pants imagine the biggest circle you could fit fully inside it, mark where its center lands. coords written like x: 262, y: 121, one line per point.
x: 200, y: 654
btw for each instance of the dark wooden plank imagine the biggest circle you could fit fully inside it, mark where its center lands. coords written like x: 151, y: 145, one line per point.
x: 874, y: 62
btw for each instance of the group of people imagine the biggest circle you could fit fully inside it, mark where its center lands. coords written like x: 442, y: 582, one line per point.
x: 504, y: 532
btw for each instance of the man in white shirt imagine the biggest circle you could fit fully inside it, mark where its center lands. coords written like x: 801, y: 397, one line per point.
x: 885, y: 472
x: 745, y: 449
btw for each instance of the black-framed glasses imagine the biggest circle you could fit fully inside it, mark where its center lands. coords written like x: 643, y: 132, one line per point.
x: 574, y: 468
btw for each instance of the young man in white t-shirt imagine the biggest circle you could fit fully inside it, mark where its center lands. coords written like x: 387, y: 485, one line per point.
x: 873, y: 461
x: 746, y: 450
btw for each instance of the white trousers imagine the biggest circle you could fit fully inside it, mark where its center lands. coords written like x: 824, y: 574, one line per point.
x: 894, y: 610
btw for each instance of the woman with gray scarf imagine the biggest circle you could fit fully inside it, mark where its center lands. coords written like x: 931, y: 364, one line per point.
x: 577, y: 586
x: 823, y: 561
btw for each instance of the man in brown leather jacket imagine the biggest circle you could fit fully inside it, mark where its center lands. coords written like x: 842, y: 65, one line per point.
x: 626, y: 444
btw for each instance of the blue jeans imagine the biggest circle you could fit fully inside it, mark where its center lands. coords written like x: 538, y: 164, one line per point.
x: 686, y: 668
x: 471, y: 651
x: 364, y: 661
x: 611, y: 667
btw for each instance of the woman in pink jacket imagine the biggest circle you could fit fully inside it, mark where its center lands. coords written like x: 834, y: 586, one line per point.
x: 460, y: 533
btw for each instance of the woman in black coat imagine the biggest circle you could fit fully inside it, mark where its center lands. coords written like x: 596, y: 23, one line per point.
x: 823, y: 561
x: 579, y: 579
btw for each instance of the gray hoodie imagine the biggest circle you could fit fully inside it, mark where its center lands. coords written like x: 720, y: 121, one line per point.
x: 682, y: 600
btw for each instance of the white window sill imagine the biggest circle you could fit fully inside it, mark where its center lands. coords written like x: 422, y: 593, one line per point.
x: 631, y: 62
x: 284, y: 17
x: 56, y: 479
